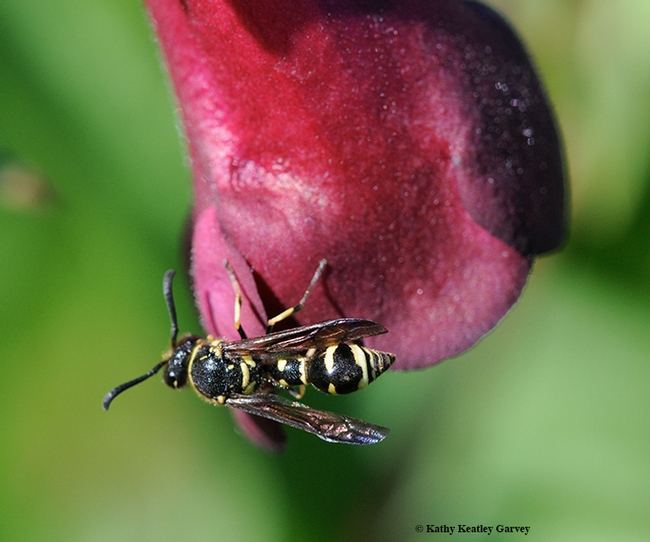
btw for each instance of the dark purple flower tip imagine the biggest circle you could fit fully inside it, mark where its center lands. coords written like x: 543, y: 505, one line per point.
x: 410, y: 143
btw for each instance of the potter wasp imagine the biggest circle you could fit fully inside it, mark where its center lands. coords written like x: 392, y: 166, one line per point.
x: 246, y: 374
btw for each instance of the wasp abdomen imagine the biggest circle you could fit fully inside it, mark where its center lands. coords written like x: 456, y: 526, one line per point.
x: 289, y: 372
x: 344, y: 368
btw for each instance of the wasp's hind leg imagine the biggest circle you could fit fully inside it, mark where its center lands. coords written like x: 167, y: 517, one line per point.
x: 272, y: 383
x: 297, y: 308
x: 235, y: 287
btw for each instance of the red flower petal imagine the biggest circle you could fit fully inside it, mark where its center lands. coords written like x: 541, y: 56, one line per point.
x: 409, y: 143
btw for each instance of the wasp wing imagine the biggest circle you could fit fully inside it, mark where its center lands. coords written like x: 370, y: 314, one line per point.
x: 325, y: 425
x: 299, y: 339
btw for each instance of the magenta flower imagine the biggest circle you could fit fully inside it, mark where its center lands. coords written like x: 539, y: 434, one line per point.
x: 408, y: 142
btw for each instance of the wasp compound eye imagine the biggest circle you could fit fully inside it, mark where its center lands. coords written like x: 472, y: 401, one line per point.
x: 175, y: 377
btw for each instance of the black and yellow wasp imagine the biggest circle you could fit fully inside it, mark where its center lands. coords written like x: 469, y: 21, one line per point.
x: 246, y: 374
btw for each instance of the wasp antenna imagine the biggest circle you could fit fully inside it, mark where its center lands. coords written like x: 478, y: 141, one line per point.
x: 108, y: 398
x: 169, y: 299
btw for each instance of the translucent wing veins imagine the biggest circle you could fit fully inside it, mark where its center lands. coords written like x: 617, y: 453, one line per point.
x: 298, y: 339
x: 328, y: 426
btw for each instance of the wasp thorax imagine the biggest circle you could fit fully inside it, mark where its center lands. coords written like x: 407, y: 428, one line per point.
x: 175, y: 375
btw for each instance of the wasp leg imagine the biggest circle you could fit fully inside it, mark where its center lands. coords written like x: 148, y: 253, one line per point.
x: 297, y: 308
x: 299, y: 393
x: 235, y: 287
x: 271, y: 383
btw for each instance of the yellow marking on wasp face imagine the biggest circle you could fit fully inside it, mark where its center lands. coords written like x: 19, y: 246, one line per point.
x: 198, y: 345
x: 221, y: 399
x: 231, y: 367
x: 245, y: 374
x: 310, y: 353
x: 282, y: 363
x: 331, y: 390
x: 329, y: 358
x: 283, y: 382
x: 361, y: 361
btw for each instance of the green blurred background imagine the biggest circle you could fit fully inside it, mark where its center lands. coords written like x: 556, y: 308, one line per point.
x: 544, y: 423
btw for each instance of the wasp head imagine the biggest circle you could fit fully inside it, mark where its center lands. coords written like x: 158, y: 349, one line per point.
x: 177, y: 360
